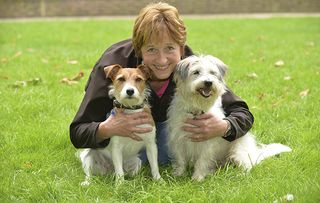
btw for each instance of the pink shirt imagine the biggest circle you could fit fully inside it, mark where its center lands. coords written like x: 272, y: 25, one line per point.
x: 163, y: 89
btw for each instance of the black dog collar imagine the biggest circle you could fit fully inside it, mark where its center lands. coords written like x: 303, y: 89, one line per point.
x: 119, y: 105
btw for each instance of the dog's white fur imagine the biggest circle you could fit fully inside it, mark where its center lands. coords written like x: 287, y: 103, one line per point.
x: 191, y: 75
x: 121, y: 155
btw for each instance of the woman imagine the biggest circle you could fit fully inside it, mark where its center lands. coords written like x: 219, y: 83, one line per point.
x: 158, y: 41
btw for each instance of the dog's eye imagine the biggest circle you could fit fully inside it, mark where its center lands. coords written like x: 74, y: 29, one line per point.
x: 121, y: 79
x: 196, y: 72
x: 138, y: 79
x: 213, y: 73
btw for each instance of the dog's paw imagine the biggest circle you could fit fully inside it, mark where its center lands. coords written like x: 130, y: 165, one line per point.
x: 133, y: 166
x: 86, y: 182
x: 178, y: 172
x: 156, y: 176
x: 135, y: 170
x: 244, y: 163
x: 197, y: 177
x: 119, y: 180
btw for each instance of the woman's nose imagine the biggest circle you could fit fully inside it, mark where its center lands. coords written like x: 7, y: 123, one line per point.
x: 162, y: 58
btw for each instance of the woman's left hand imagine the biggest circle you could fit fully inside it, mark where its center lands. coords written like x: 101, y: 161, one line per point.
x: 205, y: 127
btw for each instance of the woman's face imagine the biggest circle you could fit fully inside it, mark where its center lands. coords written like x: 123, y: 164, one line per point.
x: 161, y: 56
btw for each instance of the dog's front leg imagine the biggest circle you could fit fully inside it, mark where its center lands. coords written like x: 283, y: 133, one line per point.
x: 180, y: 163
x: 117, y: 159
x: 201, y: 169
x: 152, y: 154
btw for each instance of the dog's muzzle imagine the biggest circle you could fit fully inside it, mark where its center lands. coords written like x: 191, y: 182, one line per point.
x: 130, y: 92
x: 206, y: 90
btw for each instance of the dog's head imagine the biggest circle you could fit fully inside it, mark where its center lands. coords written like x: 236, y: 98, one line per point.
x: 201, y: 77
x: 128, y: 84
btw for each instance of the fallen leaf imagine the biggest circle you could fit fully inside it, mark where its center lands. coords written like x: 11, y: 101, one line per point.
x: 4, y: 77
x: 4, y: 60
x: 288, y: 197
x: 73, y: 62
x: 34, y: 81
x: 30, y: 50
x: 252, y: 75
x: 232, y: 39
x: 262, y: 95
x: 78, y: 76
x: 68, y: 81
x: 19, y: 84
x: 28, y: 164
x: 17, y: 54
x: 73, y: 80
x: 304, y: 93
x: 24, y: 83
x: 285, y: 198
x: 287, y: 78
x: 237, y: 81
x: 43, y: 60
x: 276, y: 103
x: 262, y: 58
x: 261, y: 37
x: 279, y: 63
x: 310, y: 44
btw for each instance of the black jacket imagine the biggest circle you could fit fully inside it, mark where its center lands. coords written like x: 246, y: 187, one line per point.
x: 96, y: 103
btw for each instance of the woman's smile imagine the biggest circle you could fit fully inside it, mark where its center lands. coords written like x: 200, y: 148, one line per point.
x: 161, y: 55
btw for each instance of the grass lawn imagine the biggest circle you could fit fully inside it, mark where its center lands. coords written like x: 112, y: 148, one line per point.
x: 37, y: 158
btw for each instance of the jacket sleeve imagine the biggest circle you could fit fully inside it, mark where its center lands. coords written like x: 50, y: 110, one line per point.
x: 96, y: 103
x: 238, y: 114
x: 92, y: 111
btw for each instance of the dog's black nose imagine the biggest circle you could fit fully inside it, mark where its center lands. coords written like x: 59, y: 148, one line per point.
x: 207, y: 83
x: 130, y: 92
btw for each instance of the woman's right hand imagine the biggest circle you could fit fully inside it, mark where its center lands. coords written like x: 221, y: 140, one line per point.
x: 125, y: 125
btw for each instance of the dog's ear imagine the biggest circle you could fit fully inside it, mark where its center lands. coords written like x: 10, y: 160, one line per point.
x: 145, y: 70
x: 222, y: 66
x: 111, y: 71
x: 182, y: 70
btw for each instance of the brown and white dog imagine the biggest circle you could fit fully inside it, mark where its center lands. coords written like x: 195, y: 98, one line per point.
x: 200, y: 86
x: 121, y: 155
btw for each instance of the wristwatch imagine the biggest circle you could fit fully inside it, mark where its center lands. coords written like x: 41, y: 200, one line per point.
x: 228, y: 131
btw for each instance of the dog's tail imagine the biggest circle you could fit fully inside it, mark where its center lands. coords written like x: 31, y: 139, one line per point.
x: 245, y: 152
x: 269, y: 150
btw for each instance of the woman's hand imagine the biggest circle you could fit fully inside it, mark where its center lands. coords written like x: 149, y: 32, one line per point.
x: 125, y: 125
x: 205, y: 127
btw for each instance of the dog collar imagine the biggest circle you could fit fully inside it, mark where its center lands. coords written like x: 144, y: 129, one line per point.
x: 196, y: 113
x: 119, y: 105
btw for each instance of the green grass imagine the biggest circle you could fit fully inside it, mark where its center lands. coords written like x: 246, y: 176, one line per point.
x: 37, y: 161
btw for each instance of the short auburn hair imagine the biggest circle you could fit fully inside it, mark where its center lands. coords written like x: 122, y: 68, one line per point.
x: 156, y: 18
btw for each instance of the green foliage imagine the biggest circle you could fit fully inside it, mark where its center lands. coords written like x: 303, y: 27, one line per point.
x: 37, y: 157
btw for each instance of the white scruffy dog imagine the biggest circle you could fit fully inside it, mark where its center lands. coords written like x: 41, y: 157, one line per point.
x: 121, y: 155
x: 200, y: 85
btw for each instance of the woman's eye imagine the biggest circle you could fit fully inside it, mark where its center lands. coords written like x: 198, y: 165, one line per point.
x: 151, y: 50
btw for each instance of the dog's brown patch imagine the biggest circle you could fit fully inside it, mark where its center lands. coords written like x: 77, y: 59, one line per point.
x: 121, y: 76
